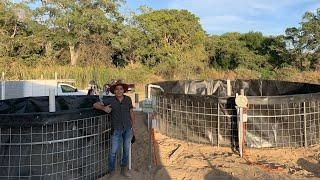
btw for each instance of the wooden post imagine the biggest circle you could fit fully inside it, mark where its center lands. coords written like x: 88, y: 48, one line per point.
x: 240, y: 125
x: 242, y: 92
x: 240, y: 130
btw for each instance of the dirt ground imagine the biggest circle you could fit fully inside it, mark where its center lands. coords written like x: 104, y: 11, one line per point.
x: 195, y: 161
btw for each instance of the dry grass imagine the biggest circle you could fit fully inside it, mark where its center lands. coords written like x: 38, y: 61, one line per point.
x: 140, y: 75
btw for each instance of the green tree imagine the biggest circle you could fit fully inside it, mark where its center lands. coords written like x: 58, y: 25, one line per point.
x: 304, y: 41
x: 276, y: 49
x: 74, y: 21
x: 13, y: 19
x: 168, y: 37
x: 18, y: 40
x: 272, y: 47
x: 126, y: 44
x: 253, y: 40
x: 230, y: 51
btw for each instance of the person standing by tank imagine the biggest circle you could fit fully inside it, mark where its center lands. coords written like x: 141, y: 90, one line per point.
x: 92, y: 90
x: 122, y: 120
x: 106, y: 89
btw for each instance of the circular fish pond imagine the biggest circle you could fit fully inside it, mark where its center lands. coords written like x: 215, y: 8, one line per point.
x: 71, y: 143
x: 279, y: 114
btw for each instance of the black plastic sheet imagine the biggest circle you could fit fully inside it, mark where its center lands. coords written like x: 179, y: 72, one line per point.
x: 34, y: 111
x: 71, y: 143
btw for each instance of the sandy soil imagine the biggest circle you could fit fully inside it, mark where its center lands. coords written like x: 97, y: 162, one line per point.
x: 195, y: 161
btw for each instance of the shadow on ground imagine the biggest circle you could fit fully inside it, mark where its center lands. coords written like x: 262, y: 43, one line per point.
x: 216, y: 173
x: 312, y: 167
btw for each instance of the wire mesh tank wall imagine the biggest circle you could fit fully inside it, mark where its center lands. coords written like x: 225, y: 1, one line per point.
x: 278, y: 114
x: 196, y: 119
x: 71, y: 144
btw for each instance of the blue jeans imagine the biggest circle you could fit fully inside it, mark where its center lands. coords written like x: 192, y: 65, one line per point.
x: 120, y: 134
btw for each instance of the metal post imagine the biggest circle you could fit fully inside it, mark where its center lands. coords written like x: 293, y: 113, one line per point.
x: 55, y: 75
x: 305, y: 124
x: 52, y: 101
x: 198, y: 119
x: 167, y: 116
x: 148, y: 117
x: 218, y: 124
x: 185, y: 111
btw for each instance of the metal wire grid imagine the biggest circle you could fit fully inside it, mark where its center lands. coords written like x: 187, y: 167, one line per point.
x: 269, y: 125
x: 275, y: 125
x: 76, y: 149
x: 312, y: 119
x: 188, y: 120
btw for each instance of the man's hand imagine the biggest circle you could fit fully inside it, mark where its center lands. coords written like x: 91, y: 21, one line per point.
x: 107, y: 108
x: 133, y: 131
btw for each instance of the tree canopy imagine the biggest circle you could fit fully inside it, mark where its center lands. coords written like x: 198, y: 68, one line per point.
x: 167, y: 41
x: 304, y: 41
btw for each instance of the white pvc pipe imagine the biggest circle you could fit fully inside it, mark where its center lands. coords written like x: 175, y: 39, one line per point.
x: 52, y: 100
x: 228, y: 88
x: 153, y: 86
x: 130, y: 155
x: 3, y: 89
x: 136, y: 101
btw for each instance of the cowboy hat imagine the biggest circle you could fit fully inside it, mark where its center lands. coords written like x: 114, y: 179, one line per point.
x: 118, y: 83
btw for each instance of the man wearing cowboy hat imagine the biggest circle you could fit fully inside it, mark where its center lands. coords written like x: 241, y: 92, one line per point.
x: 122, y: 122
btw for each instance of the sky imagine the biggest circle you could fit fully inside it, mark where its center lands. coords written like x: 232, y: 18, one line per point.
x: 271, y: 17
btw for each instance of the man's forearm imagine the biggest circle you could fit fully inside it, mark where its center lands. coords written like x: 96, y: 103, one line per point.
x: 98, y: 105
x: 101, y: 106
